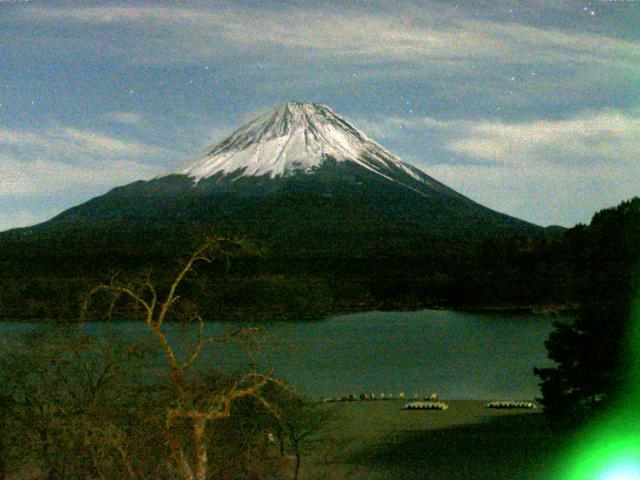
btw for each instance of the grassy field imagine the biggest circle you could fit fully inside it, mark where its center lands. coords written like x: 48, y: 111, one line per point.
x: 379, y: 440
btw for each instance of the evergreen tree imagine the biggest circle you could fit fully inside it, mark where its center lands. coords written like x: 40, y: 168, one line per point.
x: 591, y: 352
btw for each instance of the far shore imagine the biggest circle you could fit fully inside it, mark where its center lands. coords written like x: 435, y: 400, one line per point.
x: 529, y: 309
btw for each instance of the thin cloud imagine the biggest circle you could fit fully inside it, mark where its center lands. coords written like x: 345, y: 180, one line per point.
x: 57, y: 160
x: 12, y: 218
x: 395, y: 127
x: 90, y: 141
x: 542, y: 193
x: 609, y: 136
x: 42, y: 176
x: 126, y: 118
x: 410, y: 37
x: 591, y: 138
x: 72, y: 142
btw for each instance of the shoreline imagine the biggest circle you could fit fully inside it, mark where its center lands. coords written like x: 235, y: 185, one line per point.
x: 531, y: 309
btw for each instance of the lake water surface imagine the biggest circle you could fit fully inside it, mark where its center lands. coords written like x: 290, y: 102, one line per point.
x: 457, y: 355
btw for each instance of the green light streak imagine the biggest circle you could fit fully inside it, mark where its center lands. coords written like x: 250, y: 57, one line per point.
x: 609, y: 448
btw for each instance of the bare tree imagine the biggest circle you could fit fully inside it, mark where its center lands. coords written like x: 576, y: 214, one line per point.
x: 197, y: 410
x: 296, y: 421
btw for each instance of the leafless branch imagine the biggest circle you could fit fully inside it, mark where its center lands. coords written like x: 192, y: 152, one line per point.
x: 219, y: 404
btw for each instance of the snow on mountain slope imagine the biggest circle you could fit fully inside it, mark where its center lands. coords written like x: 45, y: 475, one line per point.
x: 299, y: 137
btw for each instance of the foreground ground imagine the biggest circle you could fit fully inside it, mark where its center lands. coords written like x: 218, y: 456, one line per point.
x: 379, y: 440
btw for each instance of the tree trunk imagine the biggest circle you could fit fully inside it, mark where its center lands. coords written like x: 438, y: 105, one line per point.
x: 200, y: 448
x: 298, y: 461
x: 52, y: 473
x: 183, y: 466
x: 179, y: 457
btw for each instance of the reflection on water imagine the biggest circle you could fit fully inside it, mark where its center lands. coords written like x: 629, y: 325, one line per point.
x: 457, y: 355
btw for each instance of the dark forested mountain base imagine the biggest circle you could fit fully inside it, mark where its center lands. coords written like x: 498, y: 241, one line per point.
x: 47, y: 279
x: 292, y: 280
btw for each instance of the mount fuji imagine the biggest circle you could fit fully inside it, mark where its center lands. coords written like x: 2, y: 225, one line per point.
x: 300, y: 179
x: 343, y: 224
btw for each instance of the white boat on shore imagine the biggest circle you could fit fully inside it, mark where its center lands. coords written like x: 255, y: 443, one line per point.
x: 509, y: 404
x: 425, y: 406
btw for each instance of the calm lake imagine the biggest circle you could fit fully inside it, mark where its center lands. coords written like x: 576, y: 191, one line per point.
x: 457, y: 355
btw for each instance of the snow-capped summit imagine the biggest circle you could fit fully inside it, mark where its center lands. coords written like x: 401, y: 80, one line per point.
x: 298, y: 137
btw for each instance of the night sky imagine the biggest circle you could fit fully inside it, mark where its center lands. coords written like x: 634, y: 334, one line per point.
x: 530, y: 108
